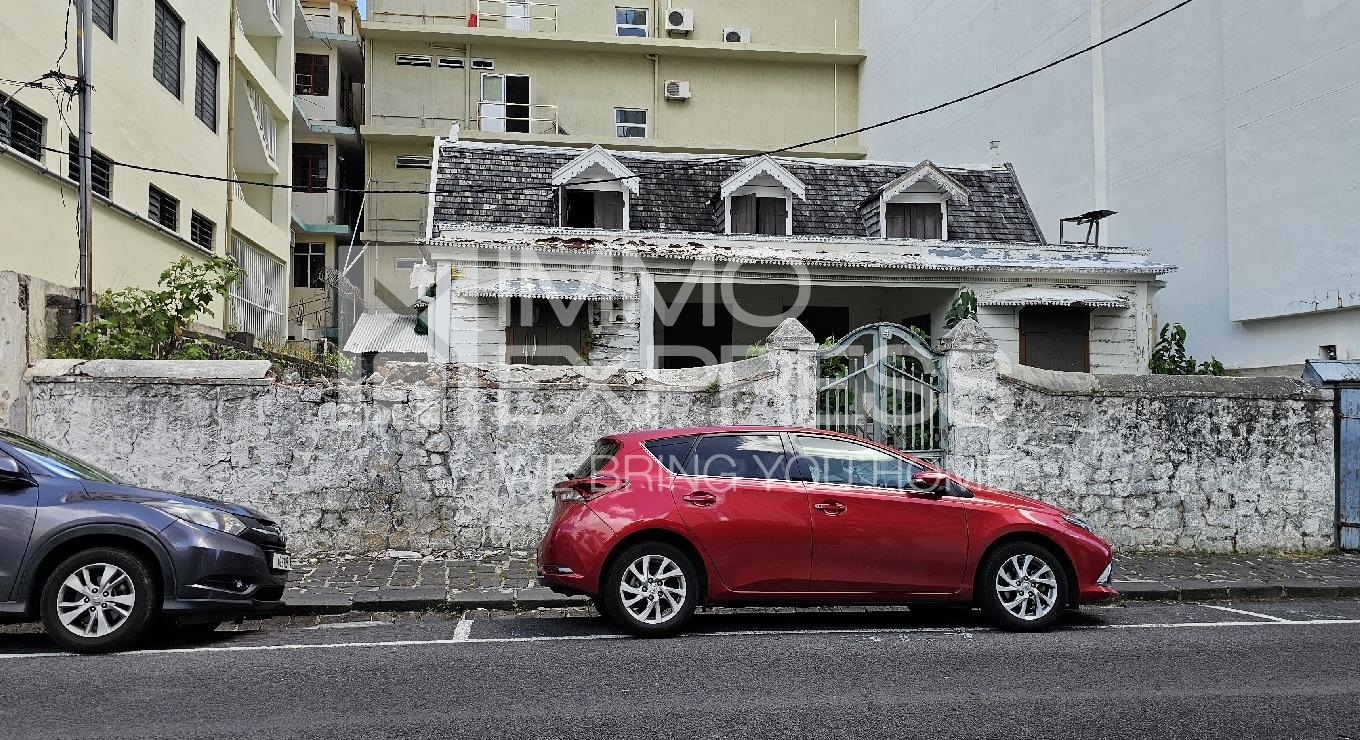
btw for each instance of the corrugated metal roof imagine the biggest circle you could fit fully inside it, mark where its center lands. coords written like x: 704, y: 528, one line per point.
x: 1052, y: 296
x: 526, y: 287
x: 387, y: 333
x: 1329, y: 372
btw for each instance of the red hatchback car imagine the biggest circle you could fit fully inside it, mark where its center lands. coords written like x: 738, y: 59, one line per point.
x: 655, y: 523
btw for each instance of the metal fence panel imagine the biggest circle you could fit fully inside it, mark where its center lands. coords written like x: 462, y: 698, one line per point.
x: 257, y: 300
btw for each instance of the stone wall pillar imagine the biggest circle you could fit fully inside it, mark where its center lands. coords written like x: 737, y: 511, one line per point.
x: 793, y: 352
x: 971, y: 396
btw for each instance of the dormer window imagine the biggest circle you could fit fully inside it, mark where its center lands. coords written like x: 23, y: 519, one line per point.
x: 759, y: 199
x: 916, y: 205
x: 594, y: 192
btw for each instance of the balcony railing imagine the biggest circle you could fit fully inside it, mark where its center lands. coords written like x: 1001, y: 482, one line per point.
x: 264, y: 122
x: 519, y: 118
x: 329, y: 20
x: 510, y: 15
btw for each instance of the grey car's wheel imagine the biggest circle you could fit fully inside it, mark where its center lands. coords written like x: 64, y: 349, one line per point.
x: 99, y: 600
x: 651, y: 590
x: 1022, y: 587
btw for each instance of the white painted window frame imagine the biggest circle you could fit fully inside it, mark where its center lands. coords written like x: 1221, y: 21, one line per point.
x: 646, y: 27
x: 646, y: 123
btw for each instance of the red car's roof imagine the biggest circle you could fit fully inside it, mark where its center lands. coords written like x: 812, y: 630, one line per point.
x: 646, y: 434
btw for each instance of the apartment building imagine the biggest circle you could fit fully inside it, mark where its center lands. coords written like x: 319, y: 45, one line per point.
x: 327, y: 154
x: 1222, y: 134
x: 698, y: 76
x: 179, y: 85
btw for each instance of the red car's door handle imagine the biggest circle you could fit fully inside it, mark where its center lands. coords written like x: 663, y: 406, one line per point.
x: 700, y: 498
x: 830, y: 508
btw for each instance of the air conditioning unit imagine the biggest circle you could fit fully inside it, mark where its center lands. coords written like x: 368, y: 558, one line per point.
x: 737, y: 35
x: 679, y: 21
x: 678, y: 90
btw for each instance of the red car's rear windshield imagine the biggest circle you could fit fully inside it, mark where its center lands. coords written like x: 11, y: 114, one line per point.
x: 604, y: 451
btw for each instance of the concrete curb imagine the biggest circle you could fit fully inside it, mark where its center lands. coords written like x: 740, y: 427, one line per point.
x: 436, y: 599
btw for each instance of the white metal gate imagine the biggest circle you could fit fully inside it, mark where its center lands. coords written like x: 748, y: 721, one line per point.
x: 884, y: 383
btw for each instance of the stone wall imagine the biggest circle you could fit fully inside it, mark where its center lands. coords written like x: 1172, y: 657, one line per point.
x: 432, y: 458
x: 1160, y: 462
x: 31, y: 311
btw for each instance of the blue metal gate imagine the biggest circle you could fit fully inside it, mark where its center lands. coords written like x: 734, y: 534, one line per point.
x: 883, y: 382
x: 1348, y: 467
x: 1343, y: 378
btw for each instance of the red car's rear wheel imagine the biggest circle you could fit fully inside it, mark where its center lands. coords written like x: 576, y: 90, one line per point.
x: 651, y: 590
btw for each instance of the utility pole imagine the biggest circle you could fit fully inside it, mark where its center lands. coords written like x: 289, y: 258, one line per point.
x: 84, y: 26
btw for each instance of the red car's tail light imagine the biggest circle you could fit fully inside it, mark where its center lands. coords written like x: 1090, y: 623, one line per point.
x: 586, y: 489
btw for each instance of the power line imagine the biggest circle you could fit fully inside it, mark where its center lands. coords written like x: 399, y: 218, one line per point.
x: 683, y: 164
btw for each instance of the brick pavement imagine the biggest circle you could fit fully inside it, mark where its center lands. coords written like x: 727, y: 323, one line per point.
x: 504, y: 580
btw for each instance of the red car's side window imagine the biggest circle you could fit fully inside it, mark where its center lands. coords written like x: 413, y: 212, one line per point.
x: 840, y: 461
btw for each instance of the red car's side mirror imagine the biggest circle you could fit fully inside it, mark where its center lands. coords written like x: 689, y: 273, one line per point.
x: 937, y: 483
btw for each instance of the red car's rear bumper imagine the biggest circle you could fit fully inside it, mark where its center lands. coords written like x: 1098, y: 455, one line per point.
x: 571, y: 554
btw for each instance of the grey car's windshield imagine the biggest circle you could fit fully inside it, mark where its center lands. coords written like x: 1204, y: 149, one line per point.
x: 60, y: 463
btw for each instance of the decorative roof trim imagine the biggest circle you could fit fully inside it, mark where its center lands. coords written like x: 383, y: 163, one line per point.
x: 596, y: 156
x: 1053, y: 296
x: 561, y: 289
x: 925, y: 170
x: 765, y: 165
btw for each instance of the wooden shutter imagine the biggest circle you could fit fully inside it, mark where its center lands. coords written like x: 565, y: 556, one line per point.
x: 924, y: 220
x: 102, y: 15
x: 1056, y: 338
x: 608, y: 210
x: 772, y: 216
x: 744, y: 214
x: 167, y: 48
x: 205, y: 87
x: 896, y: 218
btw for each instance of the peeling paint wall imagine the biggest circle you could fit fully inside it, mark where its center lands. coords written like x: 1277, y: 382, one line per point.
x: 31, y: 310
x: 434, y: 458
x: 1153, y: 462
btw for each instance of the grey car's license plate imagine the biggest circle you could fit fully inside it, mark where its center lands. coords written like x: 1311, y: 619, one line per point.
x: 280, y: 561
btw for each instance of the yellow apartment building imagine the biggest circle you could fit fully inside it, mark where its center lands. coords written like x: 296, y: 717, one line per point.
x: 691, y: 76
x: 179, y: 85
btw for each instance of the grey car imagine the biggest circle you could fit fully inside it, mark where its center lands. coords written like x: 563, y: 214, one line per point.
x: 103, y: 563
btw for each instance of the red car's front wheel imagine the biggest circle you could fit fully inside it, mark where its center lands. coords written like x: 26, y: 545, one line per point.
x: 1022, y: 587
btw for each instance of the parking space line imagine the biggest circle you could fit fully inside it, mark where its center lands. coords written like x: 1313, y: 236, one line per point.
x: 1268, y: 617
x: 463, y: 631
x: 468, y: 640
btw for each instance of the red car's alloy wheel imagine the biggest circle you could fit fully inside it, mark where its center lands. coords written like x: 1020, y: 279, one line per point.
x: 651, y: 589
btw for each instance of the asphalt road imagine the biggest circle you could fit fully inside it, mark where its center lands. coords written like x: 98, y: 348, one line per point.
x: 1137, y: 671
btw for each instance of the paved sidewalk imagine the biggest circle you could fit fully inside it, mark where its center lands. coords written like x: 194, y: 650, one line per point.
x: 501, y: 579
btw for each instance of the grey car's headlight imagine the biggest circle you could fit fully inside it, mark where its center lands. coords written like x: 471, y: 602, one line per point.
x: 210, y: 518
x: 1077, y: 521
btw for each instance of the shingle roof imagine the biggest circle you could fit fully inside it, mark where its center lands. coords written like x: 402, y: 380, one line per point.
x: 680, y: 192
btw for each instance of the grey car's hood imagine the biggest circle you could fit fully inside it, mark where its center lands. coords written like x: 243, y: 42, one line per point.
x: 94, y: 490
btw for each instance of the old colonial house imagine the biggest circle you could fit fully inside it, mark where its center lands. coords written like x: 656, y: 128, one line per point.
x: 546, y: 255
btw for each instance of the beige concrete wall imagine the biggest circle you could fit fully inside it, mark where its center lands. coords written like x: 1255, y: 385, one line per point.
x: 138, y: 121
x: 756, y: 103
x: 802, y: 23
x: 135, y: 120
